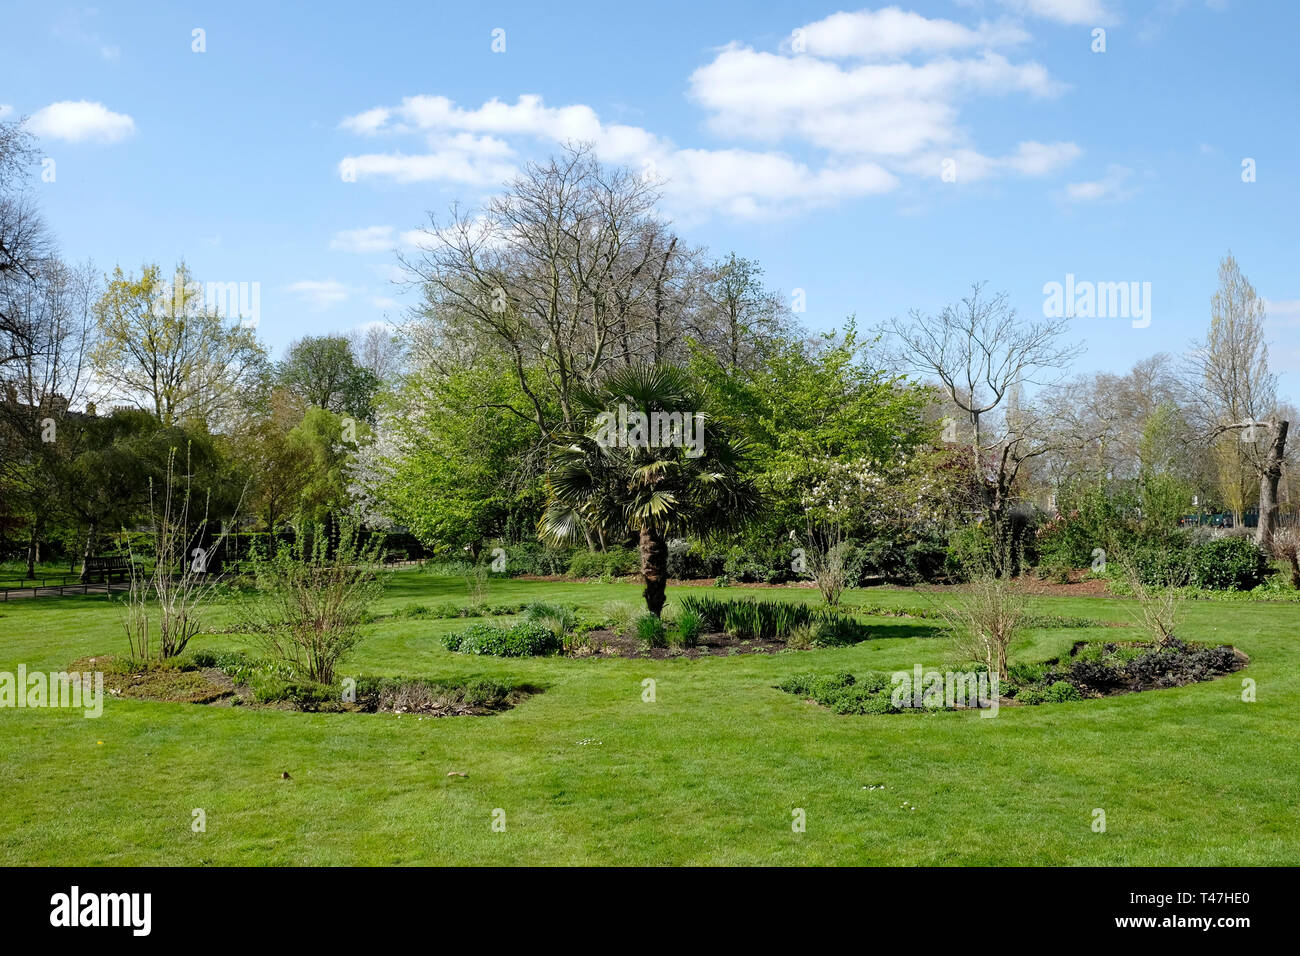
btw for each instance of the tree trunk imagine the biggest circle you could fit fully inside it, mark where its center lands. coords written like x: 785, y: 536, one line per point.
x: 33, y: 549
x: 1268, y: 479
x: 654, y: 569
x: 90, y: 547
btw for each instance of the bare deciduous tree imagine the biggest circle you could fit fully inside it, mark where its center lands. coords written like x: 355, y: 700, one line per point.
x: 1234, y: 392
x: 983, y: 355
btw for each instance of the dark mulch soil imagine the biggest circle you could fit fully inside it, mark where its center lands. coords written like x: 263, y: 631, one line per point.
x: 206, y: 685
x: 607, y: 643
x: 214, y: 687
x: 1175, y: 665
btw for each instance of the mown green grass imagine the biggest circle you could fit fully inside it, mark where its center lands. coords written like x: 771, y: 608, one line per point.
x: 707, y: 774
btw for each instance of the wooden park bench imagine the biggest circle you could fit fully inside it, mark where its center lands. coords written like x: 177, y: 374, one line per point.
x: 106, y: 568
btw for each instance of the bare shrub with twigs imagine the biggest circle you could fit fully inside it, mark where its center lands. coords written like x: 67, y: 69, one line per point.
x: 1159, y: 602
x: 1286, y: 545
x: 314, y: 593
x: 164, y: 606
x: 828, y: 558
x: 985, y: 617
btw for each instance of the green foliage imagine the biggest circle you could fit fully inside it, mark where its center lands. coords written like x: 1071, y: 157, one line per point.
x: 414, y: 694
x: 689, y: 627
x: 612, y: 562
x: 843, y: 693
x: 1220, y: 564
x: 1164, y: 566
x: 532, y: 557
x: 898, y: 559
x: 313, y: 596
x: 524, y: 639
x: 323, y: 372
x: 1060, y: 692
x: 302, y: 694
x: 970, y: 552
x: 556, y: 618
x: 1230, y: 563
x: 650, y: 631
x: 754, y: 619
x: 597, y: 482
x: 458, y: 481
x: 807, y: 405
x: 621, y: 616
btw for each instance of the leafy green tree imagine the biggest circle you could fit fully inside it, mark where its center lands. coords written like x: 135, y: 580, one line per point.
x: 643, y: 481
x: 811, y: 407
x: 464, y: 466
x: 162, y: 348
x: 323, y: 443
x: 324, y: 372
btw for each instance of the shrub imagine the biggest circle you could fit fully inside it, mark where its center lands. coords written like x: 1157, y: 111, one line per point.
x: 1097, y: 675
x: 415, y: 694
x: 1031, y: 695
x: 797, y: 684
x: 410, y: 611
x: 613, y: 562
x: 1164, y: 567
x: 1023, y: 674
x: 688, y: 561
x: 303, y: 694
x: 832, y: 629
x: 1060, y: 692
x: 532, y: 557
x: 842, y: 693
x: 757, y: 559
x: 314, y: 595
x: 1229, y: 564
x: 621, y: 616
x: 556, y: 617
x: 650, y: 630
x: 969, y: 551
x: 830, y: 568
x: 689, y: 626
x: 801, y: 637
x: 524, y: 639
x: 825, y: 686
x: 986, y: 618
x: 774, y: 620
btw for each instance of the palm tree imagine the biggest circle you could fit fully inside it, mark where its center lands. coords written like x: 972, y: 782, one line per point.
x: 681, y: 475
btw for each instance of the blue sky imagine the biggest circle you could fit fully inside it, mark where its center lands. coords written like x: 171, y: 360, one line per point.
x: 808, y: 136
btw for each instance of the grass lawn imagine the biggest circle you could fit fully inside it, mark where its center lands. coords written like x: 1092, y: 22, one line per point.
x: 708, y: 774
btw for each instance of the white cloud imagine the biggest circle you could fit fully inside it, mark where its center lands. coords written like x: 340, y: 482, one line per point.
x: 5, y: 110
x: 894, y: 109
x: 1282, y: 312
x: 366, y: 239
x: 836, y: 113
x: 77, y: 121
x: 320, y: 294
x: 1070, y: 12
x: 1113, y: 187
x: 474, y: 160
x: 892, y: 32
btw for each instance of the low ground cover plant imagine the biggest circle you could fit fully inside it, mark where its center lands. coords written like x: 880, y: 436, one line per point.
x: 523, y: 639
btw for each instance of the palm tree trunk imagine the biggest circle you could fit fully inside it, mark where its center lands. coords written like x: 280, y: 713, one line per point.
x: 654, y: 569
